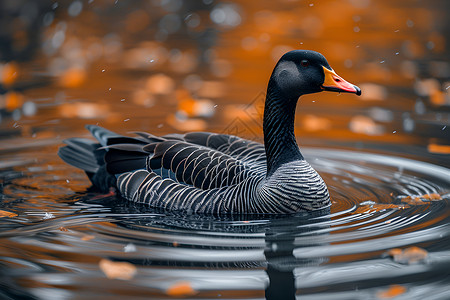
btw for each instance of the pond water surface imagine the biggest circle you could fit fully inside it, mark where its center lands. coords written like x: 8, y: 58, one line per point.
x: 172, y: 66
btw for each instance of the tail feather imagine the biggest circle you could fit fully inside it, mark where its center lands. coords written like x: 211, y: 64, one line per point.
x: 101, y: 134
x: 111, y: 154
x: 125, y: 158
x: 80, y: 153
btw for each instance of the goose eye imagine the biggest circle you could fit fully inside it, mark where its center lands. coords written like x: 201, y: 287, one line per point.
x: 304, y: 63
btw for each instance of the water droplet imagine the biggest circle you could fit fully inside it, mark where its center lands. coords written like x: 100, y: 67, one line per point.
x: 274, y: 247
x: 16, y: 115
x: 75, y: 8
x: 160, y: 125
x: 382, y: 62
x: 419, y: 107
x: 129, y: 248
x: 126, y: 120
x: 395, y: 131
x: 103, y: 70
x: 397, y: 53
x: 409, y: 23
x: 311, y: 4
x: 170, y: 23
x: 397, y: 30
x: 48, y: 216
x: 109, y: 89
x: 67, y: 180
x: 443, y: 128
x: 29, y: 108
x: 192, y: 20
x: 226, y: 15
x: 48, y: 19
x: 123, y: 99
x: 356, y: 29
x: 408, y: 124
x: 348, y: 63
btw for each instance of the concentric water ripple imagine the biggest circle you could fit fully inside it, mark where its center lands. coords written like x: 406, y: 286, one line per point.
x: 53, y: 249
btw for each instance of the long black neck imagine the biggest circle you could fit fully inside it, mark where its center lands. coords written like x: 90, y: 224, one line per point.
x: 278, y: 126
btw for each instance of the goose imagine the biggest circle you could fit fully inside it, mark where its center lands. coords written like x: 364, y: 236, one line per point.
x: 219, y: 174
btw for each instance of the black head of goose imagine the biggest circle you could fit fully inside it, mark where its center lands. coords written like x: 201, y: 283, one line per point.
x: 201, y: 172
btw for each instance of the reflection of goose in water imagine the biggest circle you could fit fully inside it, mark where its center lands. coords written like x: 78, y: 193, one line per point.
x: 220, y: 254
x: 217, y: 173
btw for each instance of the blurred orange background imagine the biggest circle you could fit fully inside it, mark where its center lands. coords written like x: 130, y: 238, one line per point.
x: 173, y: 66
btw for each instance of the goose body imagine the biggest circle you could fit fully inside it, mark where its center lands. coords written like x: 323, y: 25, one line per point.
x: 210, y: 173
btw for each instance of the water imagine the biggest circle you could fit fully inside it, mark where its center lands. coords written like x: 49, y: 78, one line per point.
x: 173, y: 66
x: 53, y: 249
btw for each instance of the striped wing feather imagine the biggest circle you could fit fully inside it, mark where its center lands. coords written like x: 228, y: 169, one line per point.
x: 205, y: 165
x: 201, y: 159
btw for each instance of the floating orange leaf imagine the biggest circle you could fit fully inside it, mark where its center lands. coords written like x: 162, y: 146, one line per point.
x: 186, y: 124
x: 441, y: 149
x: 314, y: 123
x: 73, y: 78
x: 87, y: 237
x: 433, y: 196
x: 13, y: 101
x: 411, y: 255
x: 182, y: 288
x: 160, y: 84
x: 421, y: 200
x: 393, y: 291
x: 9, y: 73
x: 365, y: 125
x: 4, y: 213
x: 63, y: 229
x: 117, y: 270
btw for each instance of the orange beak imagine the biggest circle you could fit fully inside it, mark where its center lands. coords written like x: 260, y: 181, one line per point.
x: 335, y: 83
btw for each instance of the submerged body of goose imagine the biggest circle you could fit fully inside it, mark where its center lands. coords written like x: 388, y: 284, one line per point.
x: 212, y: 173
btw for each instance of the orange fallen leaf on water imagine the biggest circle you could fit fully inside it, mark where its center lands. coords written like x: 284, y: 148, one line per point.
x: 13, y: 100
x: 365, y: 125
x: 391, y: 292
x: 315, y: 123
x: 160, y: 84
x: 187, y: 124
x: 411, y: 255
x: 432, y: 196
x: 117, y: 270
x: 4, y: 213
x: 87, y: 237
x: 63, y: 228
x: 9, y: 73
x: 73, y: 78
x: 421, y: 200
x: 181, y: 288
x: 441, y: 149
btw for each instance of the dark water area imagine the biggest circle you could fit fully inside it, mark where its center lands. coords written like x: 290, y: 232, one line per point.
x: 178, y: 66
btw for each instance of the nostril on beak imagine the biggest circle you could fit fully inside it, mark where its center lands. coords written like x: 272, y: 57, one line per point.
x: 336, y: 79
